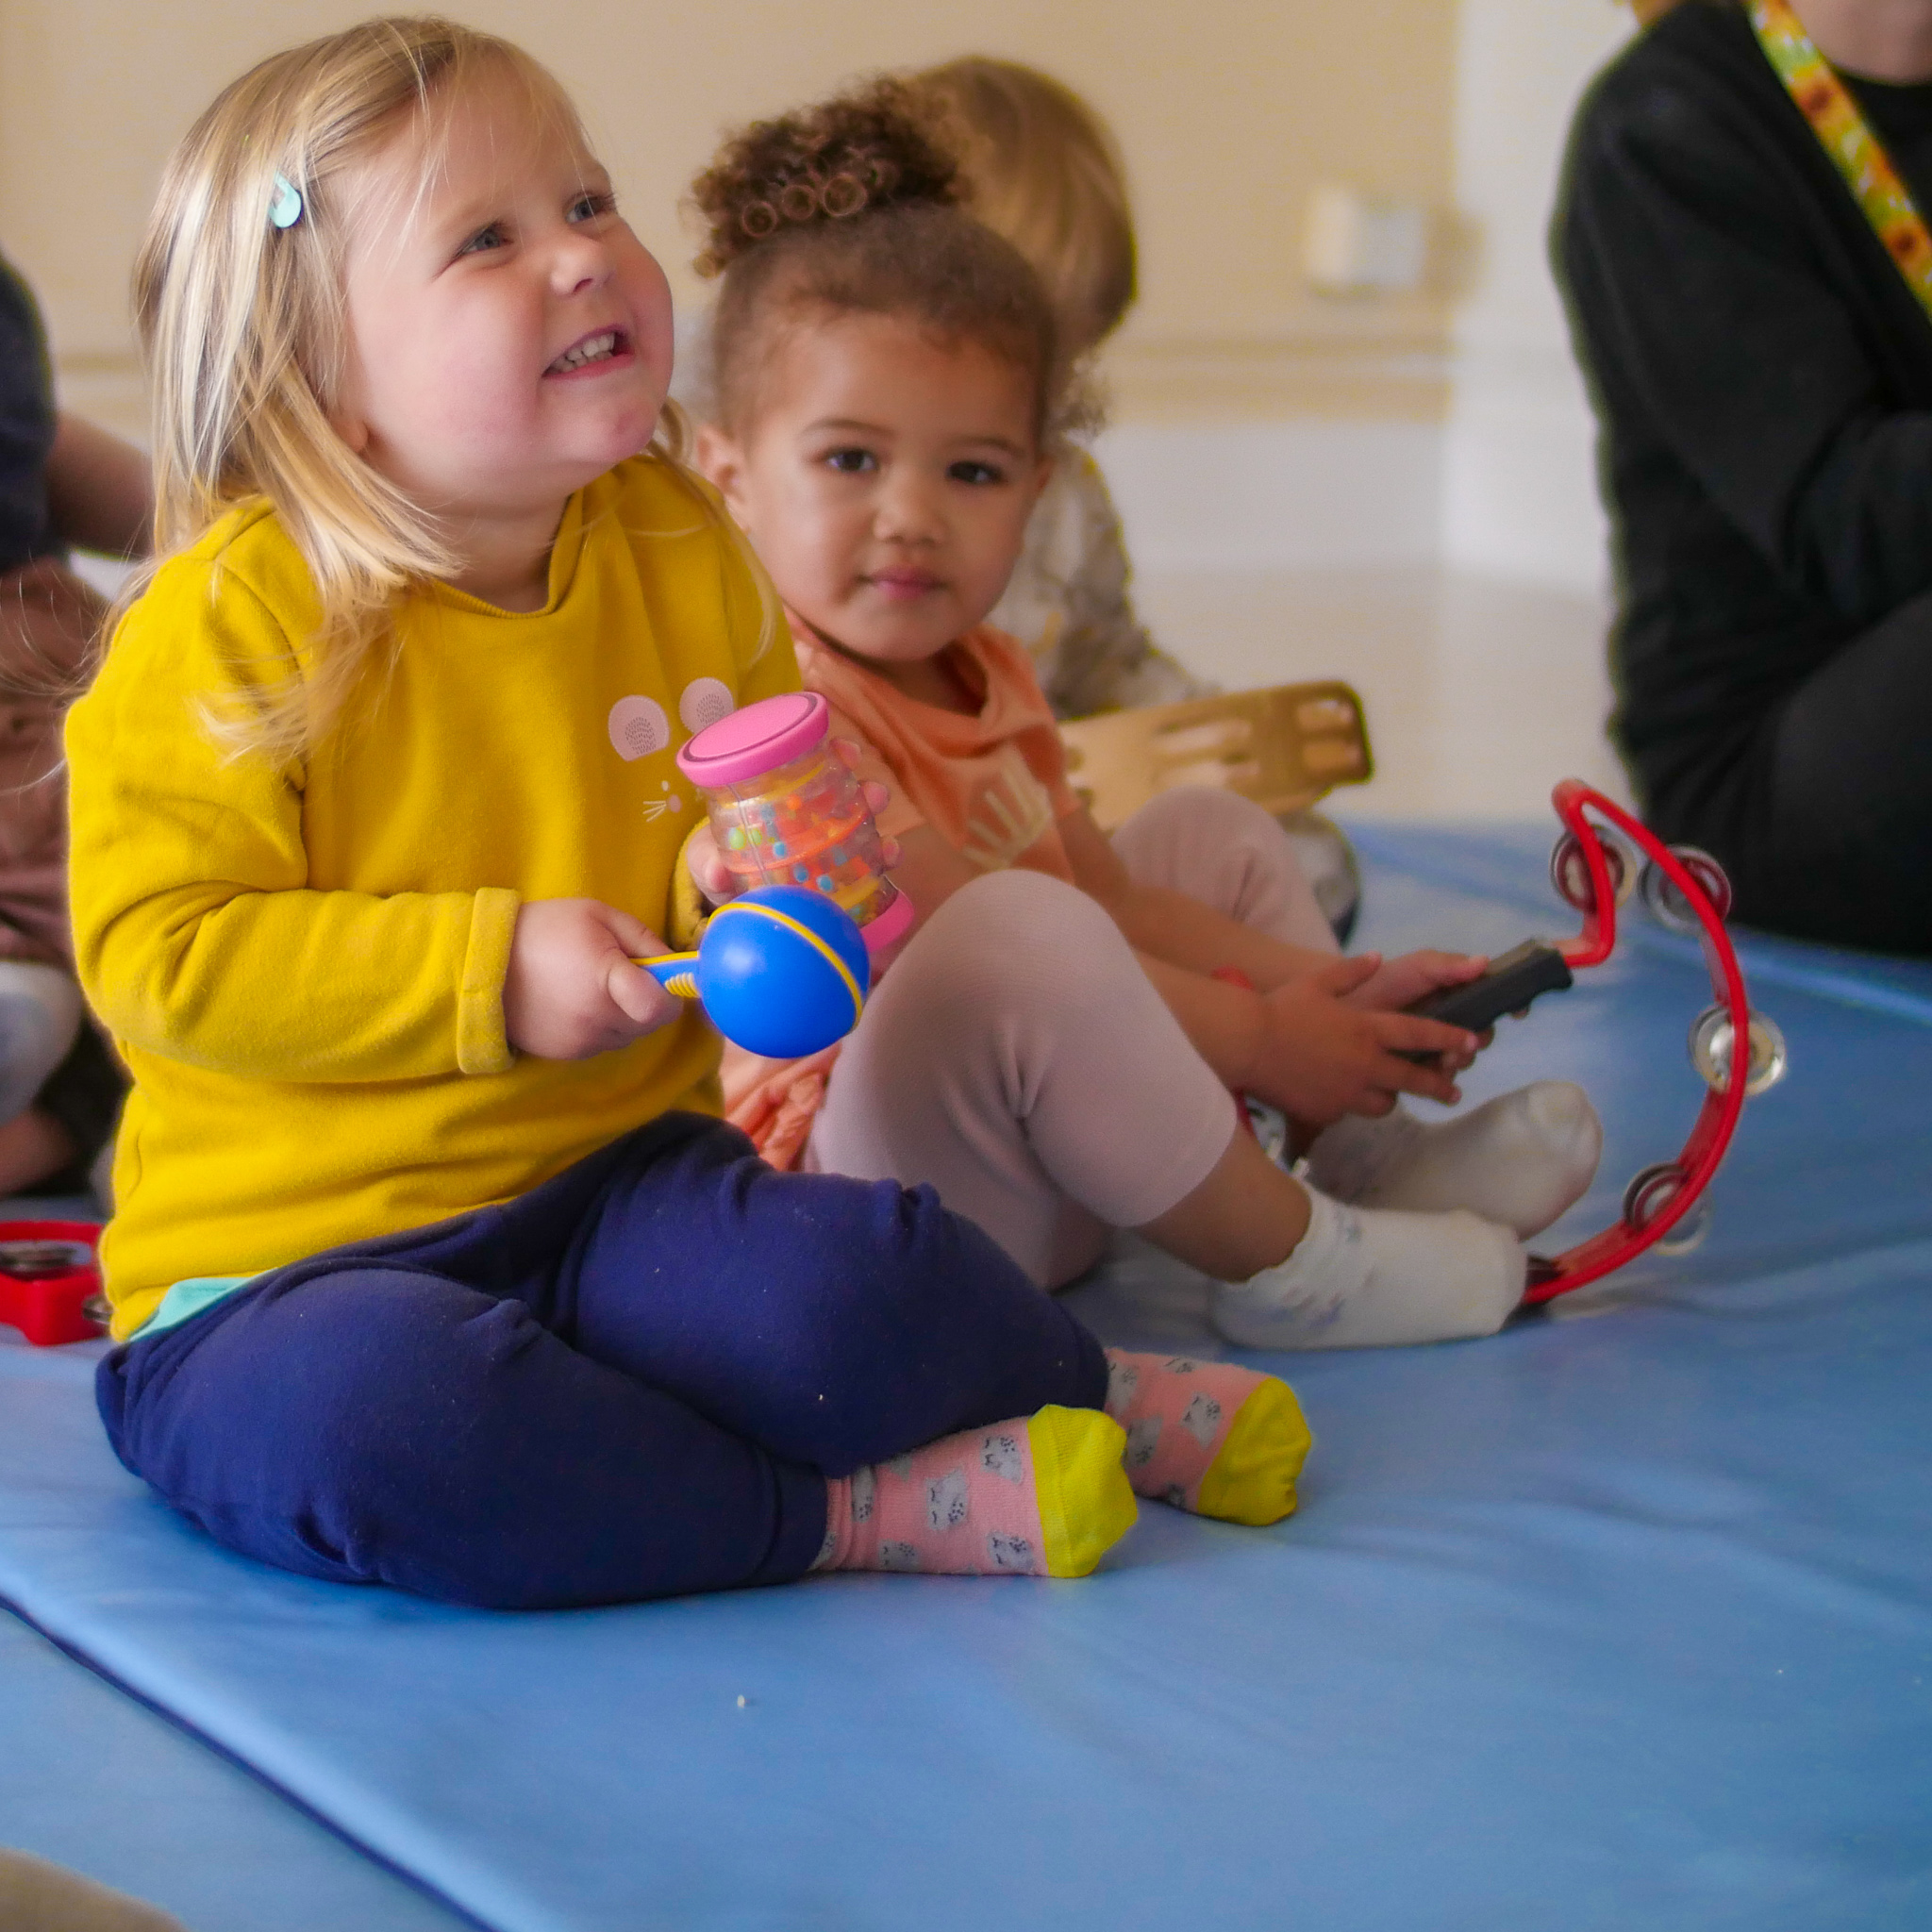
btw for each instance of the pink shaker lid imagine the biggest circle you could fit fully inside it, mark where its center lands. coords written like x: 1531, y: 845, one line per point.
x: 746, y: 743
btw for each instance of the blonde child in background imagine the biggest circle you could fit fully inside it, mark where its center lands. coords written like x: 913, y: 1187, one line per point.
x: 1050, y: 1050
x: 431, y: 1263
x: 1043, y: 170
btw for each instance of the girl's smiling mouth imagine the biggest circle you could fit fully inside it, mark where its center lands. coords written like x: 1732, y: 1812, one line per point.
x: 904, y: 586
x: 595, y: 351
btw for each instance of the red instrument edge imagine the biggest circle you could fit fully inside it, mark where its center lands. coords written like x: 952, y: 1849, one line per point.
x: 1717, y: 1120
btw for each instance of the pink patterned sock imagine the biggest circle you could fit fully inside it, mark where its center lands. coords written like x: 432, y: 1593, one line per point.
x: 1042, y: 1497
x: 1208, y: 1437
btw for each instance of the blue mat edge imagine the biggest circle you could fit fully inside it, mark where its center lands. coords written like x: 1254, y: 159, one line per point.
x: 182, y: 1727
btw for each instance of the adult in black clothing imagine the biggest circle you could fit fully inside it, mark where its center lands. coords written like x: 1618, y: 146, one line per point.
x: 1762, y: 375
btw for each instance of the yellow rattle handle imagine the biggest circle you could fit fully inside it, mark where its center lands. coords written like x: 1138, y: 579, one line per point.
x: 676, y: 973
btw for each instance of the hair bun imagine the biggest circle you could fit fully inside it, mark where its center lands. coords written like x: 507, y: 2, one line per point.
x: 861, y: 150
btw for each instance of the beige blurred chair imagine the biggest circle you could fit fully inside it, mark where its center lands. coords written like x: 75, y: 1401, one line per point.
x: 1285, y: 748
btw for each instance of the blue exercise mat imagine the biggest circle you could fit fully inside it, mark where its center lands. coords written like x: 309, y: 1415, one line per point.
x: 95, y: 1782
x: 1623, y: 1617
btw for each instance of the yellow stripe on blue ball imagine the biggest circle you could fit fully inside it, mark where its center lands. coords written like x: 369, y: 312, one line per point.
x: 758, y: 910
x: 782, y: 972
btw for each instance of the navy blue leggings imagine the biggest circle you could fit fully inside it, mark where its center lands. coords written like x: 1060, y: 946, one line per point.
x: 632, y: 1382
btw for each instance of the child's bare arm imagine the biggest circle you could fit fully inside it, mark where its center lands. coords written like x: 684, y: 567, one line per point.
x: 1180, y: 929
x: 1297, y: 1044
x: 1304, y: 1049
x: 929, y: 872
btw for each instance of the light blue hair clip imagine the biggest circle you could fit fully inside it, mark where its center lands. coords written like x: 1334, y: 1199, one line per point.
x: 285, y: 210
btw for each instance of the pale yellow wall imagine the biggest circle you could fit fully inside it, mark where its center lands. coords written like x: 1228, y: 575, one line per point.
x: 1229, y: 112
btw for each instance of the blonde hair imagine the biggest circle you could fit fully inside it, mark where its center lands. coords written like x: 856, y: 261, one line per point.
x: 1045, y: 174
x: 242, y: 324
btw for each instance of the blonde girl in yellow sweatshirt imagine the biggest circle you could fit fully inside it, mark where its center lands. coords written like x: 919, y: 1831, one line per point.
x: 431, y: 1262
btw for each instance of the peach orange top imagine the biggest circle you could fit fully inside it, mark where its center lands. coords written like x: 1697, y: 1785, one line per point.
x: 992, y: 784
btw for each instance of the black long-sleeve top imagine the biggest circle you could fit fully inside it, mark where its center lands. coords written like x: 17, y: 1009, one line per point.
x: 1762, y: 375
x: 26, y: 426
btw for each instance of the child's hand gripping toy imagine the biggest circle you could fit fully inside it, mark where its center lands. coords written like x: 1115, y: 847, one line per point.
x: 1686, y: 891
x: 782, y: 970
x: 788, y: 810
x: 785, y: 969
x: 50, y: 1283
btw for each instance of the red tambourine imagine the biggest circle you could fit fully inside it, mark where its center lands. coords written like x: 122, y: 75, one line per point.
x: 1686, y: 889
x: 50, y: 1280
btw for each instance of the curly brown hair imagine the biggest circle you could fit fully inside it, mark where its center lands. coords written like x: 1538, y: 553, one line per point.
x: 848, y: 207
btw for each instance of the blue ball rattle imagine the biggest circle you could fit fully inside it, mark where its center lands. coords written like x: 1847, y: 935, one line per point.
x: 782, y: 970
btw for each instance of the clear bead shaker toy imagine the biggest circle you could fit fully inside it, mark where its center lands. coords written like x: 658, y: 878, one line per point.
x: 788, y: 810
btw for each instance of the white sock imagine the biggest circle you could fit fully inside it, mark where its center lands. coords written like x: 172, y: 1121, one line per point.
x: 1375, y: 1278
x: 1518, y: 1159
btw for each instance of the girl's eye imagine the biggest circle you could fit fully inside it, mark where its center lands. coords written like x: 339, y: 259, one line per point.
x: 969, y: 471
x: 850, y: 462
x: 484, y: 239
x: 587, y: 208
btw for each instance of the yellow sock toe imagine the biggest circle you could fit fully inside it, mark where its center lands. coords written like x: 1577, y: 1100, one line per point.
x: 1253, y: 1478
x: 1086, y: 1506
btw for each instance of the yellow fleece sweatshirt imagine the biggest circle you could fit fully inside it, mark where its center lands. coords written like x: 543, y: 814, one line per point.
x: 303, y: 965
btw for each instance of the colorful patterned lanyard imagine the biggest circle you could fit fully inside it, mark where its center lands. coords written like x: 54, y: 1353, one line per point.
x: 1823, y: 99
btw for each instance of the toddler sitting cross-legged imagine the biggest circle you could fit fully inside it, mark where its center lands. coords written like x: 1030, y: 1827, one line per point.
x: 431, y: 1264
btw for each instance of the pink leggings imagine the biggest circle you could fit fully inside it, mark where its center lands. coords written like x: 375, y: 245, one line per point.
x: 1018, y: 1058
